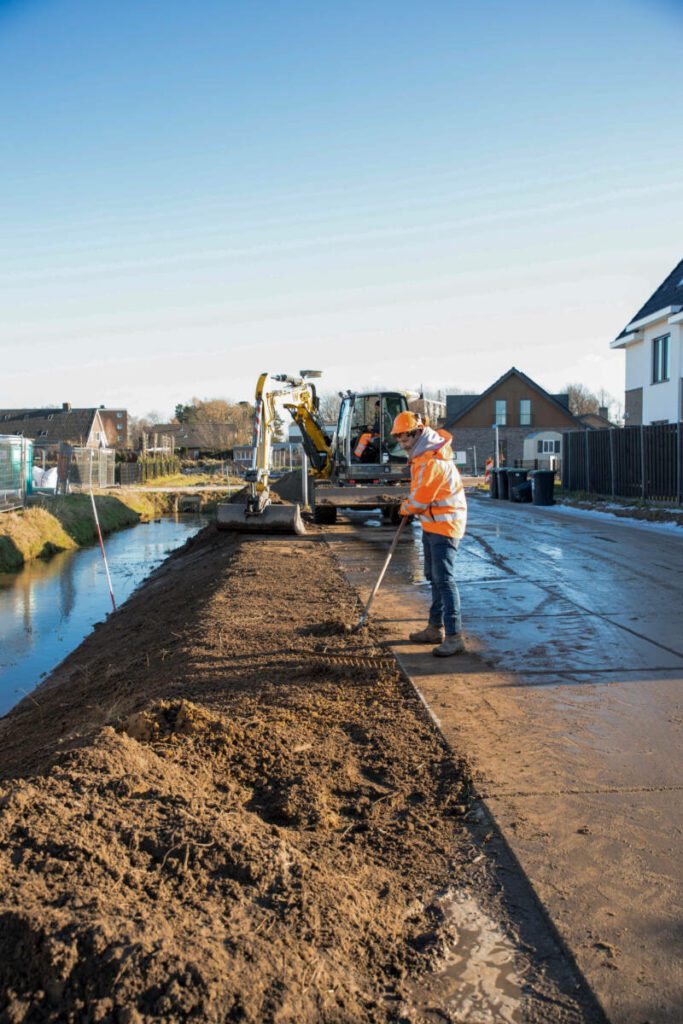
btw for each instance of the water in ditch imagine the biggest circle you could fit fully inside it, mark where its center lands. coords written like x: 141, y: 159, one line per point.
x: 47, y: 608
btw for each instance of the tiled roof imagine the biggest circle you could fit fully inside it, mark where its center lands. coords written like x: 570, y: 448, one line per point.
x: 456, y: 403
x: 562, y: 399
x: 669, y: 293
x: 49, y: 426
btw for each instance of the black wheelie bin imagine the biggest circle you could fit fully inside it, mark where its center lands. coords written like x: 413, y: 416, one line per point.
x: 503, y: 486
x: 493, y: 483
x: 518, y: 486
x: 543, y: 487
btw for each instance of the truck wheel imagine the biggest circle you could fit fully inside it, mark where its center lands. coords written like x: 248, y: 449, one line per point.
x: 326, y: 515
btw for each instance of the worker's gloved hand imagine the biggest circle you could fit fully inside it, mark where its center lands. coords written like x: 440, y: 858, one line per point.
x: 403, y: 511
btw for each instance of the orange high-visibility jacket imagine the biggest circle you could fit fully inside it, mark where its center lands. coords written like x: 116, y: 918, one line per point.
x: 437, y: 495
x: 363, y: 441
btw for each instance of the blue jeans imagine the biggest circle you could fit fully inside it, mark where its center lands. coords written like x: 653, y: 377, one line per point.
x: 439, y: 555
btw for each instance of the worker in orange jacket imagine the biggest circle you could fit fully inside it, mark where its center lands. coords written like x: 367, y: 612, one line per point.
x: 363, y: 441
x: 437, y: 500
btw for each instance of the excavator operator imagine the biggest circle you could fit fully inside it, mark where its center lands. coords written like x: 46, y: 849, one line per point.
x: 437, y: 500
x: 366, y: 448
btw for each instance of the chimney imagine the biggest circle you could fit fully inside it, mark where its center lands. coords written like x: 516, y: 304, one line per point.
x: 66, y: 406
x: 602, y: 411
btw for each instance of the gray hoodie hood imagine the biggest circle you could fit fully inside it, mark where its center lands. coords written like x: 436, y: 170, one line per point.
x: 428, y: 441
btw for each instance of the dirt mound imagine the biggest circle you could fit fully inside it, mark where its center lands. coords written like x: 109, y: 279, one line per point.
x: 159, y: 884
x: 211, y: 812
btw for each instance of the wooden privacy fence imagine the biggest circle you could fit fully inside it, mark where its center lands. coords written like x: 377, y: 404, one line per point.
x: 625, y: 462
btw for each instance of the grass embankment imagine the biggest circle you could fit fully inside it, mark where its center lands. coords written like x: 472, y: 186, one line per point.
x: 194, y: 480
x: 65, y: 523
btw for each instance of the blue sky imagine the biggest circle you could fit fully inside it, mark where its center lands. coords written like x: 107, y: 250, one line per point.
x: 395, y: 193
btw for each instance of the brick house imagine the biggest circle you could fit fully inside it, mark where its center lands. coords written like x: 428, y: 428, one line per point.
x: 530, y: 422
x: 48, y: 428
x: 197, y: 438
x: 115, y: 423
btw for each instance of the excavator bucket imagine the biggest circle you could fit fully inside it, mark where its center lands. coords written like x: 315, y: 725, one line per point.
x: 273, y: 519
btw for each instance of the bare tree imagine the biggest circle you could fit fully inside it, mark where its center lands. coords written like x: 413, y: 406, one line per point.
x: 137, y: 425
x: 329, y: 407
x: 581, y: 400
x: 217, y: 422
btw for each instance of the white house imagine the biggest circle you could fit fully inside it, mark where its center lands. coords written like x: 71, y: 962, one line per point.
x: 544, y: 448
x: 653, y: 342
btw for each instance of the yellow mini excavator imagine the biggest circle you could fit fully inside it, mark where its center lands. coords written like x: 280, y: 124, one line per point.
x: 348, y: 466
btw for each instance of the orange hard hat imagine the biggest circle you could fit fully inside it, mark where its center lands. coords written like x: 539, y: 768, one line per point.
x: 405, y: 422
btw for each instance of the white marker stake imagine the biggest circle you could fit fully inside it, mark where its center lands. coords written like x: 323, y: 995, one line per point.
x: 104, y: 557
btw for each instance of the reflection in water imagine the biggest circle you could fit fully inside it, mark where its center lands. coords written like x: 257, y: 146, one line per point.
x: 472, y: 565
x: 550, y: 551
x: 67, y: 590
x: 47, y: 608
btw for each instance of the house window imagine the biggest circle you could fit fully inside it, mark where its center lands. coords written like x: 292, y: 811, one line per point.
x: 525, y: 412
x: 501, y: 412
x: 548, y: 447
x: 660, y: 359
x: 119, y: 415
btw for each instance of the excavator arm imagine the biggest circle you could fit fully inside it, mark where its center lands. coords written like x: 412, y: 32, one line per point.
x: 316, y: 443
x: 302, y: 404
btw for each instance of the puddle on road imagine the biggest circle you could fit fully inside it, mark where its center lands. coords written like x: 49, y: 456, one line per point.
x: 473, y: 566
x: 477, y: 980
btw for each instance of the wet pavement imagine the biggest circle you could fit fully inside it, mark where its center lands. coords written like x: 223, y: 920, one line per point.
x: 477, y: 980
x: 569, y: 711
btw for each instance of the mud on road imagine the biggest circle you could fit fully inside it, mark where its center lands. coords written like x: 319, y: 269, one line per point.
x: 219, y: 808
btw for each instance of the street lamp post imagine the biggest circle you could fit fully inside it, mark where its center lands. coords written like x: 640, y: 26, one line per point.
x: 495, y: 427
x: 473, y: 449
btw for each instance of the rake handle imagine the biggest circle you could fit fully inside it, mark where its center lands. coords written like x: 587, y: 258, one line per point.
x: 390, y: 553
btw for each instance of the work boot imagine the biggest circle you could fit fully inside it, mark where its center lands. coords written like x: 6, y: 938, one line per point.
x: 429, y: 635
x: 453, y: 644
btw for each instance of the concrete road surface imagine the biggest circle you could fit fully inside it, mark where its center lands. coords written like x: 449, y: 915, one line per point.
x: 569, y: 710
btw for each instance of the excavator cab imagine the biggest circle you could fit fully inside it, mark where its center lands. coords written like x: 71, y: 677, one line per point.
x: 365, y: 448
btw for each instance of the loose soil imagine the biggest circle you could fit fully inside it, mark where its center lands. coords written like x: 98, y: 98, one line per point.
x: 221, y: 808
